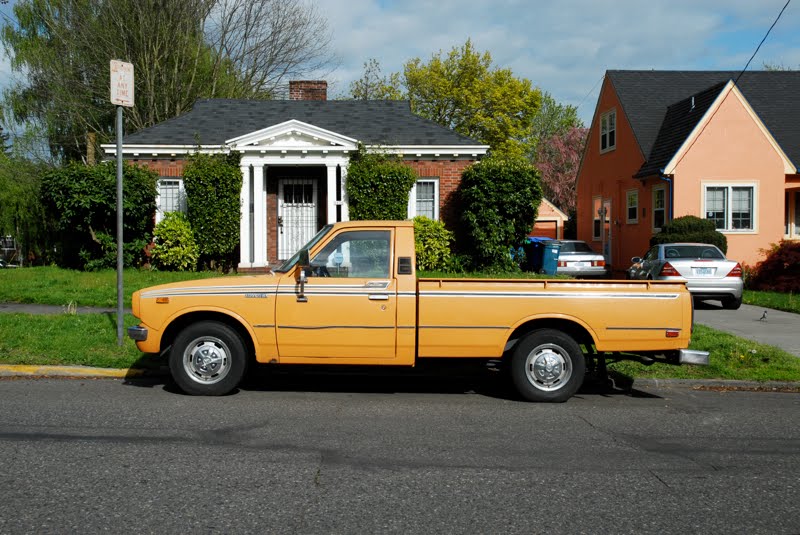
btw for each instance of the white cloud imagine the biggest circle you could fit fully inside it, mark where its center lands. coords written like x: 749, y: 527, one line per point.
x: 564, y: 47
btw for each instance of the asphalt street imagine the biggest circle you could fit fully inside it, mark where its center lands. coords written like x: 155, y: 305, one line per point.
x: 332, y: 453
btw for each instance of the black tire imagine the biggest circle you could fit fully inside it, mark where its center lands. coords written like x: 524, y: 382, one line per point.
x: 208, y: 358
x: 732, y: 303
x: 547, y: 365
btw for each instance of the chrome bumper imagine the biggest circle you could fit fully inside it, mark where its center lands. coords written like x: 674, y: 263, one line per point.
x: 689, y: 356
x: 137, y: 333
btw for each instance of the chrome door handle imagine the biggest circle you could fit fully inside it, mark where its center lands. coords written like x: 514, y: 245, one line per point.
x: 378, y: 297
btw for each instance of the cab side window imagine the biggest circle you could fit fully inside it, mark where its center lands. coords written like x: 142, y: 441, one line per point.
x: 355, y: 254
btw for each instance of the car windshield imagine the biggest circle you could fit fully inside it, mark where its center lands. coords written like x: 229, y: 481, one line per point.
x: 707, y: 252
x: 575, y: 247
x: 289, y: 264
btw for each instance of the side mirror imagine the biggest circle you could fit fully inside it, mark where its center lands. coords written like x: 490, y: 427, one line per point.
x: 303, y: 265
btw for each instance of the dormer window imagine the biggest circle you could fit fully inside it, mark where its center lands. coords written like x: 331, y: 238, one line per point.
x: 608, y: 131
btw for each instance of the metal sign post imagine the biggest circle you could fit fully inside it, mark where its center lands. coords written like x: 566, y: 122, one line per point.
x: 121, y: 96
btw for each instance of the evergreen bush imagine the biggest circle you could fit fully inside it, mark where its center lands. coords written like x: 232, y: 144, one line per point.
x: 378, y: 186
x: 174, y: 246
x: 500, y: 199
x: 432, y: 243
x: 691, y: 229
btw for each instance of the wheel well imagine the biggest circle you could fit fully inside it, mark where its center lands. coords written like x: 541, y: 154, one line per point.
x: 181, y: 322
x: 573, y: 329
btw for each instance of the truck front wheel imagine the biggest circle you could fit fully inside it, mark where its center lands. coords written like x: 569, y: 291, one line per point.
x: 547, y: 365
x: 208, y: 358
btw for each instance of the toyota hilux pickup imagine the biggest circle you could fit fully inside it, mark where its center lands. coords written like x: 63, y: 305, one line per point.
x: 351, y: 296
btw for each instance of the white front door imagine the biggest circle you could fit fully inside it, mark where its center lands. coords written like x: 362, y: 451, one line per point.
x: 297, y: 214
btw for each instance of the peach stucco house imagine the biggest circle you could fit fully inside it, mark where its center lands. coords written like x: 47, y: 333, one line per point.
x: 664, y: 144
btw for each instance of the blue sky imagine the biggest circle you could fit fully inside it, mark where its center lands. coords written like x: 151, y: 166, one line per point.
x: 562, y: 47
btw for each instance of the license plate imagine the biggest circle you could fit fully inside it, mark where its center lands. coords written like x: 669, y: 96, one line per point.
x: 578, y: 264
x: 704, y: 271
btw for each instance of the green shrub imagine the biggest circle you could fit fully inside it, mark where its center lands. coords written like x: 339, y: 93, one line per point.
x: 690, y: 228
x: 378, y: 186
x: 500, y: 198
x: 81, y: 201
x: 175, y: 248
x: 432, y: 242
x: 213, y: 184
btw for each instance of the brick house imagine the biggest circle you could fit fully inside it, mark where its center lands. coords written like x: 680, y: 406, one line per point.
x: 294, y: 157
x: 664, y: 144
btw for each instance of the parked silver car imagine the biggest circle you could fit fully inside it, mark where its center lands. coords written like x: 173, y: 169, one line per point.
x: 708, y: 274
x: 577, y: 259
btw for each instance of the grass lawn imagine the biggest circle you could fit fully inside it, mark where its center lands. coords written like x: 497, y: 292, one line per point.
x: 779, y: 301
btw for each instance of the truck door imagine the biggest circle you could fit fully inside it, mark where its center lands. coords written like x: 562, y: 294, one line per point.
x: 350, y: 305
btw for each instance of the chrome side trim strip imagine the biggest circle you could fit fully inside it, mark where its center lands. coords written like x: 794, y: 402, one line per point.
x: 643, y: 329
x: 491, y: 327
x: 325, y: 327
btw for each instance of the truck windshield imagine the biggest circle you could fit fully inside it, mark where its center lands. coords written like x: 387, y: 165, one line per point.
x: 289, y: 264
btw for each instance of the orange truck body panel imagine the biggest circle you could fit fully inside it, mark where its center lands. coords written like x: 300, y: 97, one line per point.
x: 396, y: 319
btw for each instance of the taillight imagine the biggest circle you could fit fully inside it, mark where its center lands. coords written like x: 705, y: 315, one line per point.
x: 669, y: 271
x: 598, y: 263
x: 562, y: 263
x: 735, y: 272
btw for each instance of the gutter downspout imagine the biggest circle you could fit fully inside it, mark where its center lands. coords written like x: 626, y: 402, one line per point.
x: 662, y: 176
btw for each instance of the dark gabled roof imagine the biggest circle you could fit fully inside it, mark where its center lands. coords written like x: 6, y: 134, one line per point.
x: 645, y: 97
x: 372, y: 122
x: 679, y: 121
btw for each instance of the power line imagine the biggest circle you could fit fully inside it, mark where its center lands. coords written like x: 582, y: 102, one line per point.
x: 762, y: 41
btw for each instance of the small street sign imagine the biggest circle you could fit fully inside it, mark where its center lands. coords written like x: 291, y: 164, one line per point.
x: 121, y: 83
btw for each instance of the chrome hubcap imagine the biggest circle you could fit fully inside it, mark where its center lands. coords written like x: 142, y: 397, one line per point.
x: 548, y: 367
x: 207, y: 360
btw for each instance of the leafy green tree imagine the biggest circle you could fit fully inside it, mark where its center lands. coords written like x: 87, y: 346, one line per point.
x: 21, y: 212
x: 500, y: 199
x: 464, y: 91
x: 373, y: 86
x: 213, y: 184
x: 378, y: 186
x: 5, y: 148
x: 552, y: 119
x: 81, y: 202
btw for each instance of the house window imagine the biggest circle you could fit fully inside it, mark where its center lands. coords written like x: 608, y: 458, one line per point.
x: 424, y: 198
x: 632, y: 202
x: 659, y: 208
x: 731, y: 208
x: 597, y: 204
x: 792, y: 215
x: 608, y: 131
x: 171, y: 197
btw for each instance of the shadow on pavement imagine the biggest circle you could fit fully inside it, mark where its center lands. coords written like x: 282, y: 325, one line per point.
x: 427, y: 378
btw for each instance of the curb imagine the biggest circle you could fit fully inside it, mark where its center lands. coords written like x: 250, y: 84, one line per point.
x: 34, y: 371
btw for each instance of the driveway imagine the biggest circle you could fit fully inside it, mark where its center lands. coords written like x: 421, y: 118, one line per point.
x: 780, y: 329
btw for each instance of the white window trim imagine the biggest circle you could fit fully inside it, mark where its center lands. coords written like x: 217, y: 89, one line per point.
x: 791, y: 212
x: 412, y: 197
x: 754, y: 185
x: 604, y: 117
x: 181, y: 192
x: 628, y: 207
x: 596, y: 217
x: 653, y: 207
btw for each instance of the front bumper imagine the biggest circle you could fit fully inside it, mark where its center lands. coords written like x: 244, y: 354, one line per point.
x: 138, y: 333
x: 692, y: 356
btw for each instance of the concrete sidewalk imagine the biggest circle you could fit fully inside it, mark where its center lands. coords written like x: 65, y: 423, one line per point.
x: 777, y: 328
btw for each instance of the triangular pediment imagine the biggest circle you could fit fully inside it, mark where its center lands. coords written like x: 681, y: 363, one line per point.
x: 292, y: 135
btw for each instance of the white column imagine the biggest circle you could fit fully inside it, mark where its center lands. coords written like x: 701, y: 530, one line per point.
x: 259, y: 216
x: 331, y: 208
x: 345, y: 209
x: 244, y: 224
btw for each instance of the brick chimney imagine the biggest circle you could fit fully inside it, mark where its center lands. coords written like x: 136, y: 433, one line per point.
x: 308, y: 90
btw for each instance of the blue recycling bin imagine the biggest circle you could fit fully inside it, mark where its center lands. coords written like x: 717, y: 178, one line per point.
x: 550, y: 258
x: 534, y: 253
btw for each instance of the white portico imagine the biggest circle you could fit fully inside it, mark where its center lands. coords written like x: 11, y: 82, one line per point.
x: 277, y: 159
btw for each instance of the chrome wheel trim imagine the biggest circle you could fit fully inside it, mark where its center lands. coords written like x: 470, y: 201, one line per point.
x: 548, y: 367
x: 207, y: 360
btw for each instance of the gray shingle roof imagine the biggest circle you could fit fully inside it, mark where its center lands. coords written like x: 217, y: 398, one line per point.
x: 213, y: 121
x: 646, y: 97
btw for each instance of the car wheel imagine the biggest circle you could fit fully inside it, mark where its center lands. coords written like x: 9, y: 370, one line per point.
x: 208, y: 359
x: 547, y: 365
x: 731, y: 303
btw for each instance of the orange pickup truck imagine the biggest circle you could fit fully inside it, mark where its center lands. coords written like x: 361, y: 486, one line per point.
x: 351, y: 296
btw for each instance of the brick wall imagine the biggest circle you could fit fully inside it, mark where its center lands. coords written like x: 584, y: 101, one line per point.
x: 308, y: 90
x: 163, y: 167
x: 449, y: 174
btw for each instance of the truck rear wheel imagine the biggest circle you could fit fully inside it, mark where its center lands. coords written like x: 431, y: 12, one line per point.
x: 547, y: 365
x: 207, y: 359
